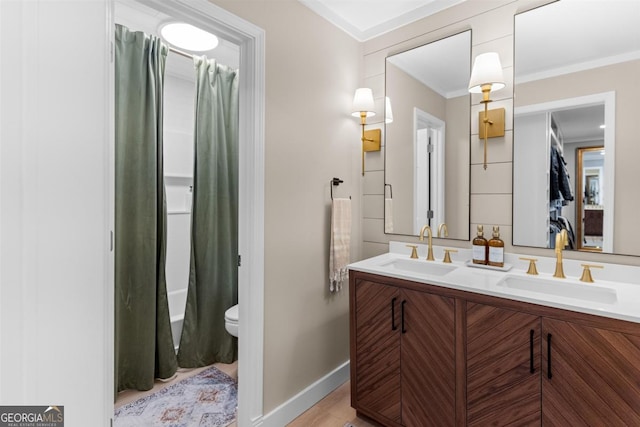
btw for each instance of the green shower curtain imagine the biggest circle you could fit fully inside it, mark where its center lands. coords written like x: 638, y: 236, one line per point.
x: 213, y: 276
x: 143, y: 344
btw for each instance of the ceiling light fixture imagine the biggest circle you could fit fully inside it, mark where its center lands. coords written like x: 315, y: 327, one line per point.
x: 186, y: 36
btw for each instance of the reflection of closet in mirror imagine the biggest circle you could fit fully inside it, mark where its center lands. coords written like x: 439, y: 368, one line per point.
x: 547, y: 180
x: 586, y: 48
x: 590, y: 205
x: 428, y: 87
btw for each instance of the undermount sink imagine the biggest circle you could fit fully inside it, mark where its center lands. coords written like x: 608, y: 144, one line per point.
x: 585, y: 292
x: 432, y: 268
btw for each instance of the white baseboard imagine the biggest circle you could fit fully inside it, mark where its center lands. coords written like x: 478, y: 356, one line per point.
x: 292, y: 408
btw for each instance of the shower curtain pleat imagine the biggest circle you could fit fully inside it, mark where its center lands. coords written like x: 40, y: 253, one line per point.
x: 144, y: 347
x: 213, y: 276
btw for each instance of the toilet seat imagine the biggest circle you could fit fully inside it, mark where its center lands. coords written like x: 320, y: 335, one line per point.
x: 231, y: 320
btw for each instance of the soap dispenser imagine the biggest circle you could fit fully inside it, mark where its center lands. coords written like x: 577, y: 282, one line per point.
x: 496, y: 249
x: 480, y: 247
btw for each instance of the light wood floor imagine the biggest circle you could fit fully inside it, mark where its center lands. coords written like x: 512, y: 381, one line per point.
x: 333, y: 411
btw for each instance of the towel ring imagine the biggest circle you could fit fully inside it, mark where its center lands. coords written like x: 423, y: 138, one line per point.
x: 390, y: 190
x: 336, y: 182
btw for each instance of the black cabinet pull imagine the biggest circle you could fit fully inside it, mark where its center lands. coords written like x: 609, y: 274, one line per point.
x: 531, y: 334
x: 549, y: 375
x: 404, y: 331
x: 393, y: 314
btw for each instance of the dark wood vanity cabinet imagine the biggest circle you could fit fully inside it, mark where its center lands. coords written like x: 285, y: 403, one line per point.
x: 403, y: 355
x: 503, y: 366
x: 526, y: 369
x: 592, y: 377
x: 376, y: 375
x: 423, y: 355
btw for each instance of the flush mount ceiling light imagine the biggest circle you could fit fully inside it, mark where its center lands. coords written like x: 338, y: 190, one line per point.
x: 186, y: 36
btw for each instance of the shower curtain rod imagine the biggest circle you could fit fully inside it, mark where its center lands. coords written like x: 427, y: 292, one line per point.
x: 179, y: 52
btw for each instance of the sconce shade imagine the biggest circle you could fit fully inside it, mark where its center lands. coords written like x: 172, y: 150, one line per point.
x: 363, y: 101
x: 487, y: 70
x: 388, y: 113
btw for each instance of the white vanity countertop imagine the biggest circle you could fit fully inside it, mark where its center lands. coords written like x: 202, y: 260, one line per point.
x: 619, y: 280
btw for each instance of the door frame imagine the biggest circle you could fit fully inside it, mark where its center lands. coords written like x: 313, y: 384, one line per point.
x: 422, y: 120
x: 579, y: 196
x: 251, y: 40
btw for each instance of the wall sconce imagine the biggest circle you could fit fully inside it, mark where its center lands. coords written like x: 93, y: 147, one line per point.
x: 363, y: 108
x: 486, y: 77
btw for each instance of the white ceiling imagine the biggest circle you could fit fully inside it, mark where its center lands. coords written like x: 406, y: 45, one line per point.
x: 366, y: 19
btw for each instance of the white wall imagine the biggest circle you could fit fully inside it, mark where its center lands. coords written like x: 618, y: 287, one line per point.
x: 54, y: 195
x: 178, y: 121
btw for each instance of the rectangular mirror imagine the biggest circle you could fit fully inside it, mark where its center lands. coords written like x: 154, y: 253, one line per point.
x: 427, y: 143
x: 576, y: 127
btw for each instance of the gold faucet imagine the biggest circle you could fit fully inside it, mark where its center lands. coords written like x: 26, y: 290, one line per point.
x: 562, y: 240
x: 430, y: 253
x: 441, y: 227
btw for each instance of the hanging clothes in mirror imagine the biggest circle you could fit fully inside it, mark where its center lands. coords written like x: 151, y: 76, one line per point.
x: 560, y: 194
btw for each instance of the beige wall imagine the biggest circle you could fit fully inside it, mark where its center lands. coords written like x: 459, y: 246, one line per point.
x: 491, y: 22
x: 457, y: 159
x: 623, y: 79
x: 312, y: 71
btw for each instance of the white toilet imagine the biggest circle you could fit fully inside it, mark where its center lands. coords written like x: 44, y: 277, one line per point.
x: 231, y: 320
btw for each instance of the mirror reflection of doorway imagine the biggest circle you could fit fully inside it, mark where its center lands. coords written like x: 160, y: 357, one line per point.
x: 429, y: 137
x: 590, y: 204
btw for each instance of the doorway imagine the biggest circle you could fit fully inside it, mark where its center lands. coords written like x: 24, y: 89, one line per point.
x: 250, y: 39
x: 428, y: 178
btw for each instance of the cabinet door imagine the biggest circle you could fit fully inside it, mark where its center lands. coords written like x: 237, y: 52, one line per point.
x: 428, y: 359
x: 503, y: 367
x: 591, y: 377
x: 377, y: 339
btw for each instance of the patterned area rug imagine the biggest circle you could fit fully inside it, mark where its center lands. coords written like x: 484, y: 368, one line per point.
x: 207, y: 399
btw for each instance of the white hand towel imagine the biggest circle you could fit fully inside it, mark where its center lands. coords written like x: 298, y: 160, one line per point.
x: 388, y: 215
x: 340, y: 246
